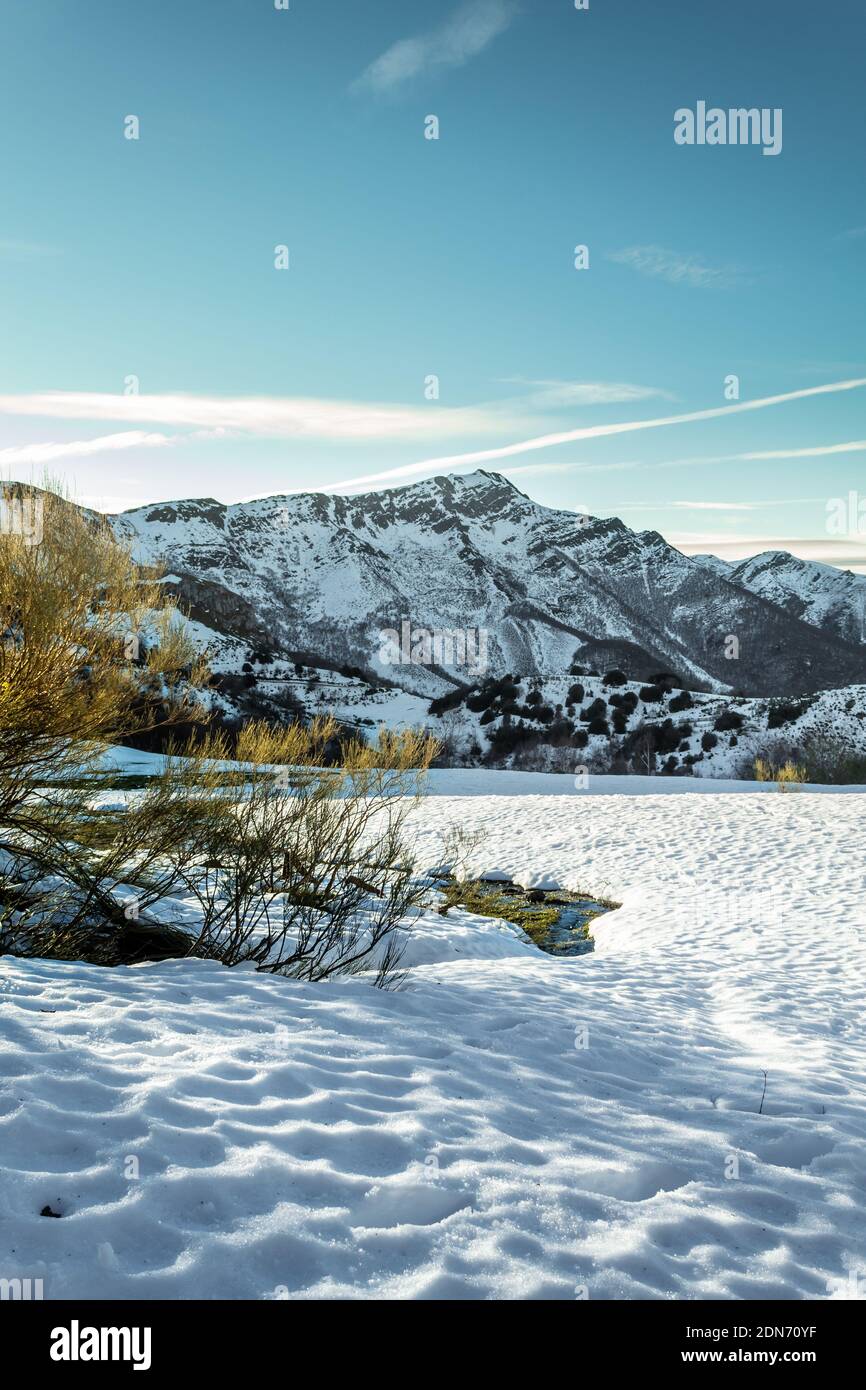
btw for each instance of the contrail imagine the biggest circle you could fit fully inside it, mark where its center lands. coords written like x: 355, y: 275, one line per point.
x: 81, y: 448
x: 549, y: 441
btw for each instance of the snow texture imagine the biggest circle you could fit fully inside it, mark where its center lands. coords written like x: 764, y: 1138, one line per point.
x: 680, y: 1114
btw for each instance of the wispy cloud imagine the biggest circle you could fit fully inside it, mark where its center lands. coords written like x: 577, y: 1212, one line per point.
x: 677, y: 268
x: 274, y: 417
x: 855, y: 446
x: 772, y: 503
x: 82, y: 448
x: 466, y: 33
x: 716, y: 506
x: 813, y: 451
x: 552, y: 392
x: 529, y: 468
x: 549, y: 441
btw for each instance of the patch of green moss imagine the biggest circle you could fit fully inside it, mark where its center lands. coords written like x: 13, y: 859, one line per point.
x: 490, y: 902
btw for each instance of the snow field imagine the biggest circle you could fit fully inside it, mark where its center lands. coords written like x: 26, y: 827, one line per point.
x: 508, y: 1125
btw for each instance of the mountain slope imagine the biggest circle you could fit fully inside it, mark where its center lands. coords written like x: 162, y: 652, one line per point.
x: 830, y: 598
x: 327, y: 575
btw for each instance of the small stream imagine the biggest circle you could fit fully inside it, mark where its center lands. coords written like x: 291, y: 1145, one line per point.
x: 568, y: 935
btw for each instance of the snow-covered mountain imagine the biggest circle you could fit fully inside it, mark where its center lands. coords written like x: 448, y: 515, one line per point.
x: 319, y: 578
x: 830, y: 598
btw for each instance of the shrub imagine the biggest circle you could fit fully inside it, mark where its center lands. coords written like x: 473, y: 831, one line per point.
x: 598, y: 725
x: 680, y: 702
x: 575, y: 694
x: 559, y: 732
x: 306, y: 873
x: 786, y: 712
x: 830, y: 762
x: 75, y: 675
x: 651, y: 694
x: 460, y: 847
x: 306, y: 870
x: 507, y: 688
x: 728, y: 720
x: 476, y: 702
x: 787, y: 775
x: 666, y: 736
x: 508, y: 737
x: 443, y: 704
x: 790, y: 775
x: 491, y: 691
x: 708, y: 741
x: 615, y: 678
x: 580, y: 739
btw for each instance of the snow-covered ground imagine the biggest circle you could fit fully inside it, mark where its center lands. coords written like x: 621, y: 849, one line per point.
x: 681, y: 1114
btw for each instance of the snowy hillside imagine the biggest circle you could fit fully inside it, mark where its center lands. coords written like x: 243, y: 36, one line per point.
x: 680, y: 1114
x: 587, y: 721
x: 563, y: 724
x: 830, y: 598
x: 323, y: 577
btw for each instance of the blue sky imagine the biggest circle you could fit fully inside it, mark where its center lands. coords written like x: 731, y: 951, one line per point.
x: 408, y: 258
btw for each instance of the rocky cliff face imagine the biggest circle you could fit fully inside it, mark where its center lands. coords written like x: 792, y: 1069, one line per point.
x: 327, y: 575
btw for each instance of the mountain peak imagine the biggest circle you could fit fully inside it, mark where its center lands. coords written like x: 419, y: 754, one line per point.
x: 479, y: 480
x: 480, y: 477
